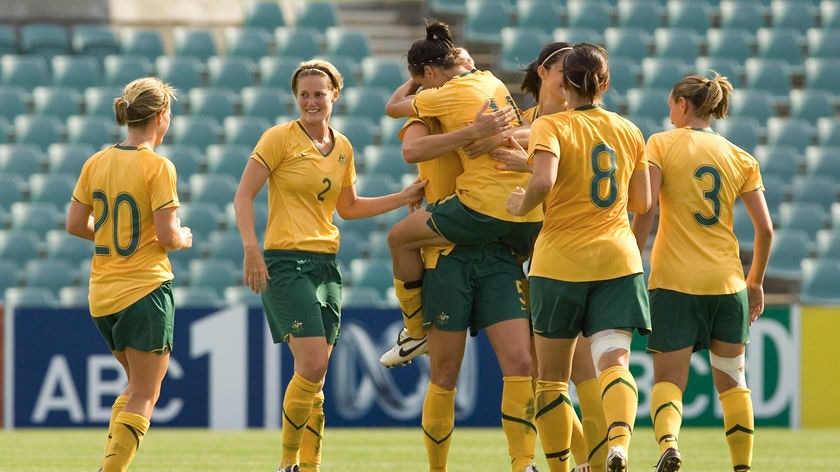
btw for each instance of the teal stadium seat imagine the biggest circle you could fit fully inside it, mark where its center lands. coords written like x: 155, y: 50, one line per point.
x: 385, y: 72
x: 588, y: 14
x: 19, y: 246
x: 360, y: 130
x: 62, y: 245
x: 20, y: 159
x: 374, y: 185
x: 44, y: 39
x: 825, y: 161
x: 39, y: 217
x: 142, y: 41
x: 348, y: 67
x: 789, y: 14
x: 576, y: 35
x: 779, y: 161
x: 213, y: 188
x: 213, y: 102
x: 519, y: 47
x: 8, y: 40
x: 352, y: 245
x: 692, y: 16
x: 361, y: 297
x: 823, y: 43
x: 449, y: 7
x: 11, y: 190
x: 647, y: 15
x: 263, y: 14
x: 344, y: 41
x: 678, y: 44
x: 40, y: 130
x: 648, y: 102
x: 228, y: 158
x: 662, y: 72
x: 200, y: 131
x: 68, y: 158
x: 781, y: 43
x: 729, y: 43
x: 743, y: 227
x: 99, y: 100
x: 73, y: 297
x: 184, y: 73
x: 9, y: 275
x: 386, y: 159
x: 14, y: 101
x: 6, y: 130
x: 194, y: 42
x: 276, y: 72
x: 217, y: 274
x: 29, y: 297
x: 739, y: 14
x: 790, y: 132
x: 244, y: 130
x: 242, y: 294
x: 812, y: 104
x: 752, y: 103
x: 95, y: 130
x: 188, y: 159
x: 250, y: 42
x: 744, y: 132
x: 374, y: 273
x: 368, y: 102
x: 79, y: 72
x: 318, y: 15
x: 631, y: 43
x: 822, y: 73
x: 51, y: 188
x: 201, y: 217
x: 830, y: 15
x: 819, y: 189
x: 772, y: 75
x: 232, y: 72
x: 819, y: 282
x: 828, y: 243
x: 789, y: 247
x: 119, y: 69
x: 828, y: 132
x: 389, y: 130
x: 296, y: 41
x: 807, y: 217
x: 484, y: 22
x: 726, y: 67
x: 195, y: 297
x: 538, y: 15
x: 56, y: 100
x: 24, y: 71
x: 51, y: 274
x: 266, y: 102
x: 97, y: 40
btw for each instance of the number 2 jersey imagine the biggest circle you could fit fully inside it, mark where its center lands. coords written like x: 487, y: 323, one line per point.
x: 125, y: 186
x: 586, y: 234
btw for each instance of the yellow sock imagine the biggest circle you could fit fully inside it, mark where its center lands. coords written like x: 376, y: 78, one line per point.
x: 411, y: 306
x: 128, y: 433
x: 297, y: 407
x: 578, y: 445
x: 438, y: 421
x: 620, y: 400
x: 310, y: 445
x: 738, y: 421
x: 116, y: 408
x: 592, y: 420
x: 518, y: 420
x: 554, y: 423
x: 666, y: 413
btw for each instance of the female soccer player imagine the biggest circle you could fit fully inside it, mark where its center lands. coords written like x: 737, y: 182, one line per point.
x: 310, y: 173
x: 586, y: 271
x: 699, y: 298
x: 125, y: 202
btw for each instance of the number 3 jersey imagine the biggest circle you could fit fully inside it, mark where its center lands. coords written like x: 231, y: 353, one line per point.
x: 303, y: 187
x: 586, y: 234
x: 125, y: 185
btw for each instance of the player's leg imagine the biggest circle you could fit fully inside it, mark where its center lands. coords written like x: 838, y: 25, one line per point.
x: 670, y: 377
x: 727, y: 361
x: 446, y: 350
x: 593, y: 435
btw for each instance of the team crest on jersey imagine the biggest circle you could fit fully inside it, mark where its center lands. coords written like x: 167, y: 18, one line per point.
x: 342, y: 159
x: 297, y: 326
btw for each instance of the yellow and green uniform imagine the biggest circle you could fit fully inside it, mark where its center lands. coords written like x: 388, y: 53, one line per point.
x: 125, y: 186
x: 695, y: 250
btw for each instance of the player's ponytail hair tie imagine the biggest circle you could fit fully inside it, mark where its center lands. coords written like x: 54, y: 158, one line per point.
x: 568, y: 48
x: 127, y: 103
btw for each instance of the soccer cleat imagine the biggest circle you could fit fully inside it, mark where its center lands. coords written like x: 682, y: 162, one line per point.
x: 582, y: 467
x: 291, y: 468
x: 531, y: 468
x: 406, y: 349
x: 616, y: 460
x: 670, y: 461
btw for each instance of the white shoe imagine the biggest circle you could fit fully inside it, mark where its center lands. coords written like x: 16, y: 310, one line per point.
x: 616, y: 460
x: 582, y: 467
x: 404, y: 350
x: 531, y: 468
x: 291, y: 468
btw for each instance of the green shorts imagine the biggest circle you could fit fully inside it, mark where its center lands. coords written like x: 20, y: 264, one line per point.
x: 474, y: 287
x: 466, y: 227
x: 303, y: 295
x: 561, y: 309
x: 146, y: 325
x: 681, y: 320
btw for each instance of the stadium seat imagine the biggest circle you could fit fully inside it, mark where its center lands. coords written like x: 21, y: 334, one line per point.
x: 228, y: 158
x: 119, y: 70
x: 6, y: 130
x: 24, y: 71
x: 780, y: 161
x: 830, y: 15
x: 39, y: 217
x: 95, y: 130
x: 819, y: 282
x: 744, y: 132
x: 374, y: 185
x: 263, y: 14
x: 142, y: 41
x: 232, y: 72
x: 804, y: 216
x: 588, y: 14
x: 375, y: 273
x: 677, y: 44
x: 29, y: 297
x: 789, y: 132
x: 780, y: 43
x: 576, y: 35
x: 361, y: 297
x: 386, y: 159
x: 21, y: 159
x: 484, y: 26
x: 796, y: 15
x: 226, y: 245
x: 820, y: 189
x: 79, y: 72
x: 97, y: 40
x: 249, y: 42
x: 260, y: 216
x: 214, y: 102
x: 647, y: 124
x: 44, y: 39
x: 40, y: 130
x: 828, y: 243
x: 353, y: 245
x: 749, y: 103
x: 99, y: 100
x: 51, y: 274
x: 643, y: 14
x: 743, y: 227
x: 745, y: 15
x: 389, y: 129
x: 188, y: 159
x: 822, y: 73
x: 730, y: 43
x: 245, y: 131
x: 298, y: 42
x: 772, y: 75
x: 195, y: 297
x: 14, y: 100
x: 825, y: 161
x: 360, y: 130
x: 823, y: 43
x: 266, y: 102
x: 11, y: 190
x: 631, y: 43
x: 726, y: 67
x: 55, y: 100
x: 624, y: 75
x: 68, y: 158
x: 213, y: 188
x: 449, y: 7
x: 385, y: 72
x: 200, y: 131
x: 318, y: 15
x: 194, y: 42
x: 519, y: 47
x: 72, y: 297
x: 62, y: 245
x: 342, y: 41
x: 662, y: 72
x: 51, y: 188
x: 242, y: 294
x: 828, y: 132
x: 648, y: 102
x: 19, y: 246
x: 184, y: 73
x: 365, y: 102
x: 214, y: 273
x: 377, y: 243
x: 347, y: 66
x: 789, y: 247
x: 775, y: 192
x: 9, y: 274
x: 538, y: 15
x: 360, y: 226
x: 811, y: 105
x: 201, y: 217
x: 693, y: 16
x: 276, y: 72
x: 8, y: 40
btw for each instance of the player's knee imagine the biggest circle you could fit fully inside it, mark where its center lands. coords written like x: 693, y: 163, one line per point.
x: 731, y: 366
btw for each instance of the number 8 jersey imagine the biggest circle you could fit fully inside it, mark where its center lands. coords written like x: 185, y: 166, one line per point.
x: 125, y: 186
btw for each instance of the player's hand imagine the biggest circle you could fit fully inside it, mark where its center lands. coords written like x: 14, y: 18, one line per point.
x: 514, y: 202
x: 511, y: 156
x: 755, y: 296
x: 415, y: 193
x: 186, y: 233
x: 487, y: 124
x: 255, y: 270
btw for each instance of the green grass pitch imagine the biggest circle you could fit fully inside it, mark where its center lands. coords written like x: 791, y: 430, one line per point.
x: 392, y: 449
